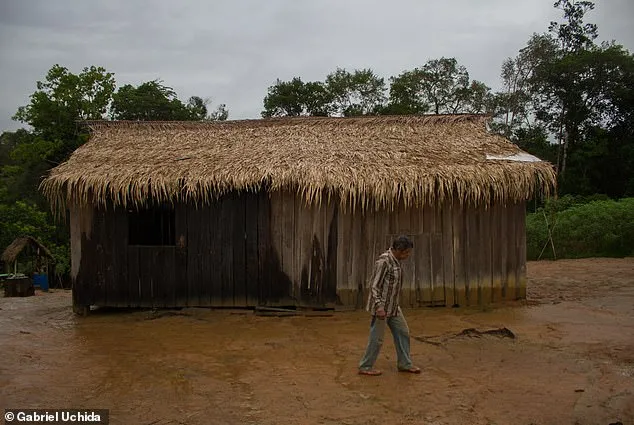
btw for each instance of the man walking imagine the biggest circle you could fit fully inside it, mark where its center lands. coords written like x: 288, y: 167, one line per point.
x: 387, y: 280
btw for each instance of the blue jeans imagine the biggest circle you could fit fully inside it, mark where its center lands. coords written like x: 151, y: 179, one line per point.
x: 400, y: 332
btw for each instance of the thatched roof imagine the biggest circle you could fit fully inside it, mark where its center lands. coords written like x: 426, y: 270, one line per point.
x: 12, y: 251
x: 374, y: 160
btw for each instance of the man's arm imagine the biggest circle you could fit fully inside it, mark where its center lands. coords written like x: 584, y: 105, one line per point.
x: 378, y: 284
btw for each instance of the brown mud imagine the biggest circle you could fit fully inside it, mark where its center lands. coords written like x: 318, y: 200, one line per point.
x: 568, y: 358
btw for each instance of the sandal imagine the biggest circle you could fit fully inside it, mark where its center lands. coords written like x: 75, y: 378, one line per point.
x: 412, y: 369
x: 370, y: 372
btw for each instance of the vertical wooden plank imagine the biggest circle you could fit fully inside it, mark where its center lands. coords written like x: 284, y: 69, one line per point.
x: 504, y: 248
x: 520, y: 277
x: 362, y: 255
x: 496, y: 253
x: 402, y: 226
x: 343, y: 257
x: 475, y: 269
x: 322, y: 212
x: 194, y: 255
x: 486, y: 278
x: 331, y: 250
x: 459, y: 248
x: 303, y: 244
x: 225, y: 229
x: 180, y: 260
x: 207, y: 253
x: 512, y: 252
x: 438, y: 283
x: 265, y: 247
x: 414, y: 212
x: 251, y: 250
x: 425, y: 259
x: 311, y: 261
x: 98, y: 237
x: 134, y: 279
x: 159, y: 278
x: 169, y: 277
x: 287, y: 253
x: 320, y: 251
x: 368, y: 237
x: 121, y: 257
x: 147, y: 263
x: 277, y: 231
x: 342, y: 281
x: 470, y: 278
x: 108, y: 259
x: 447, y: 253
x: 355, y: 257
x: 215, y: 238
x: 239, y: 249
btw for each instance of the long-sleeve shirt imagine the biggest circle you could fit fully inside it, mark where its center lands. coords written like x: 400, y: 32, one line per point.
x: 386, y: 284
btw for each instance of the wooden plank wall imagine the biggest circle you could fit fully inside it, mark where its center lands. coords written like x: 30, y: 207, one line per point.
x: 463, y: 256
x: 305, y: 240
x: 254, y: 249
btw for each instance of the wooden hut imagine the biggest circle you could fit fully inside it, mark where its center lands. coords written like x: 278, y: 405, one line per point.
x: 39, y: 256
x: 294, y: 211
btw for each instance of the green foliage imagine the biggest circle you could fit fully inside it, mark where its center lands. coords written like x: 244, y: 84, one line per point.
x: 63, y: 98
x: 582, y: 227
x: 153, y: 101
x: 574, y: 34
x: 442, y: 86
x: 355, y: 93
x: 343, y: 93
x: 293, y: 99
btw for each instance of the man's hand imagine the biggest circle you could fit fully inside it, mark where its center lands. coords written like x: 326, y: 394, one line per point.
x: 380, y: 313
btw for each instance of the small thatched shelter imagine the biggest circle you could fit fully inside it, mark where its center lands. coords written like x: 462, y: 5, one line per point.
x: 31, y: 247
x: 294, y: 211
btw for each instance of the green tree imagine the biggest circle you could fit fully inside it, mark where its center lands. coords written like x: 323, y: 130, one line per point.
x: 574, y: 34
x: 150, y: 101
x: 441, y: 86
x: 198, y: 110
x: 63, y: 98
x: 295, y: 98
x: 577, y: 94
x: 360, y: 92
x: 514, y: 105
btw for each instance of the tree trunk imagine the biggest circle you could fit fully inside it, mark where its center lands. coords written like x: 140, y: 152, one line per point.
x: 565, y: 153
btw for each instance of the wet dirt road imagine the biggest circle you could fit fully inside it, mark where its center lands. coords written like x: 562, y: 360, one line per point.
x: 571, y: 362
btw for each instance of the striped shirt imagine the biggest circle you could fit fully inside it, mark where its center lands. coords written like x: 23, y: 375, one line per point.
x: 386, y: 284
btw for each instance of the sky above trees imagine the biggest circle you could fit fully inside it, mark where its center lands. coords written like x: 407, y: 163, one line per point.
x: 231, y: 52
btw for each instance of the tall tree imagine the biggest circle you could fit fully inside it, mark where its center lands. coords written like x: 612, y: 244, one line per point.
x: 63, y: 98
x: 295, y: 98
x: 441, y: 86
x: 360, y: 92
x: 560, y: 97
x: 198, y: 110
x: 574, y: 34
x: 563, y: 86
x: 514, y: 105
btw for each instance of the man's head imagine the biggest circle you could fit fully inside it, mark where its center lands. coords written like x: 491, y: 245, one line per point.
x: 402, y: 247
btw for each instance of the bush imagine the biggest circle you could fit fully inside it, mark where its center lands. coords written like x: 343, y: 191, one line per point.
x: 599, y: 228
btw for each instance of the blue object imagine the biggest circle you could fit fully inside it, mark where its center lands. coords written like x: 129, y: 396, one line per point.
x: 41, y: 280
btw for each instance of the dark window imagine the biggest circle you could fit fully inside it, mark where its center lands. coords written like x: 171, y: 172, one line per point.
x: 151, y: 227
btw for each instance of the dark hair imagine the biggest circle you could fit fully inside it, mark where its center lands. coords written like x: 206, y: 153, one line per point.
x: 402, y: 243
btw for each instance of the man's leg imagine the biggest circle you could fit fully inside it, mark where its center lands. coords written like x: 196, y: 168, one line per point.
x: 375, y: 341
x: 400, y: 332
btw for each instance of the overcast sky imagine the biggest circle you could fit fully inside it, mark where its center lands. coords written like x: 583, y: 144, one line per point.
x: 232, y: 51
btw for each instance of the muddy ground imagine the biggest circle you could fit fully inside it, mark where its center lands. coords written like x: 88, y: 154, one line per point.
x: 571, y: 361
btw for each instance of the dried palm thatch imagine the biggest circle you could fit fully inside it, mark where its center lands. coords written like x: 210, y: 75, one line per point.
x: 367, y: 161
x: 11, y: 253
